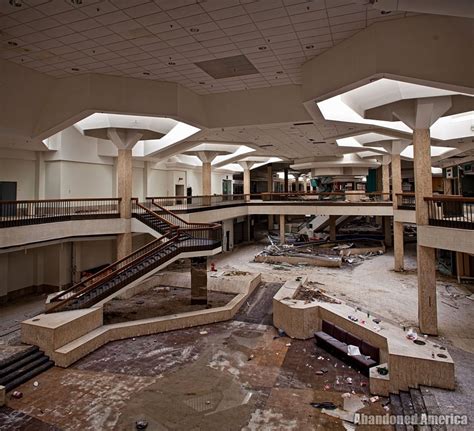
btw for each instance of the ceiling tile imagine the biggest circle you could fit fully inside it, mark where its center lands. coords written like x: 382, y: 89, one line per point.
x: 85, y: 25
x: 27, y: 15
x: 233, y: 22
x: 182, y: 12
x: 44, y: 23
x: 142, y: 10
x: 112, y: 18
x: 97, y: 9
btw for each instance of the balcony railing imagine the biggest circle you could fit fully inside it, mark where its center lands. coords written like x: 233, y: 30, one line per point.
x: 20, y: 213
x: 180, y: 203
x: 406, y: 201
x: 451, y: 211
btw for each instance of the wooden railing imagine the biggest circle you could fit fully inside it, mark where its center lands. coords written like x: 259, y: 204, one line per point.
x: 451, y: 211
x: 29, y: 212
x: 181, y: 203
x: 406, y: 201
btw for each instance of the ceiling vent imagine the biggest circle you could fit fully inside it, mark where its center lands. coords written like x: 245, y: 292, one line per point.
x: 228, y: 67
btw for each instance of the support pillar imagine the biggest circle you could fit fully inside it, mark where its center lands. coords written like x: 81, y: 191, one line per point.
x: 246, y: 166
x: 206, y: 178
x: 270, y: 222
x: 385, y: 179
x: 426, y: 263
x: 398, y: 241
x: 269, y: 179
x: 124, y: 140
x: 282, y: 228
x: 199, y: 280
x: 332, y: 227
x: 285, y: 172
x: 387, y: 231
x: 124, y: 191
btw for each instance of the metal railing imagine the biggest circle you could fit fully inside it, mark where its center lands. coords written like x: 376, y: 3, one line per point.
x: 29, y: 212
x: 406, y: 201
x: 451, y: 211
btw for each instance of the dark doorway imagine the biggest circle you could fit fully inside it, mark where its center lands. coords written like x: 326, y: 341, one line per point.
x: 8, y: 193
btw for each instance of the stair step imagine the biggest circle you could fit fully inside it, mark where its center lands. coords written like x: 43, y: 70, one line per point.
x: 20, y: 363
x: 407, y: 407
x: 419, y: 407
x: 20, y: 379
x: 17, y: 356
x: 22, y: 370
x: 396, y: 409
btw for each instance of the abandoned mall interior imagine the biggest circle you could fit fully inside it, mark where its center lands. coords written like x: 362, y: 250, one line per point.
x: 236, y: 215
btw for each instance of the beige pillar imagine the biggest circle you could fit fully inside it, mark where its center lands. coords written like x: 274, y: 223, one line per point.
x: 206, y: 178
x: 282, y: 228
x: 398, y: 244
x: 246, y: 166
x: 386, y: 181
x: 427, y: 304
x: 332, y: 227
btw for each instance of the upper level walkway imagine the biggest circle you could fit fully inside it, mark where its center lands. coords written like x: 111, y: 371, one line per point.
x: 24, y: 222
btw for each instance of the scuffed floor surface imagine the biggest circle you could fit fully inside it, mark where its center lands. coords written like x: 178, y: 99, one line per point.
x: 227, y: 376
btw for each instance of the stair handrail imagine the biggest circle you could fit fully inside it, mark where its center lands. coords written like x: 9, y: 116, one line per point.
x: 172, y: 236
x: 190, y: 225
x: 138, y: 204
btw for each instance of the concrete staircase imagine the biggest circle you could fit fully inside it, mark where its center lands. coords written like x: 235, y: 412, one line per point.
x: 414, y: 402
x: 23, y: 366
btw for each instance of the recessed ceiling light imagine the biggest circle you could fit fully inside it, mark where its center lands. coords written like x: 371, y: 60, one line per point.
x: 76, y: 2
x: 146, y: 73
x: 262, y: 48
x: 16, y: 3
x: 74, y: 69
x: 202, y: 82
x: 279, y: 72
x: 171, y: 63
x: 385, y: 12
x: 194, y: 30
x: 309, y: 46
x: 12, y: 43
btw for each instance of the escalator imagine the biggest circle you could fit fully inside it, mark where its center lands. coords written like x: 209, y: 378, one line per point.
x: 176, y: 236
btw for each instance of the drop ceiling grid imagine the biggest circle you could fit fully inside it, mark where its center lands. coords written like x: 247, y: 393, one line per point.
x: 140, y: 38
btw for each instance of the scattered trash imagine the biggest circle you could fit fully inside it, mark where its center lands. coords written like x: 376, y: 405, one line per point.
x: 346, y: 395
x: 35, y: 384
x: 411, y: 334
x: 327, y: 387
x: 374, y: 399
x: 213, y: 267
x: 324, y: 405
x: 141, y: 424
x: 383, y: 371
x: 319, y: 373
x: 324, y: 370
x: 203, y: 332
x: 353, y: 350
x: 17, y: 395
x: 139, y: 302
x: 377, y: 321
x: 133, y: 339
x: 353, y: 318
x: 208, y: 402
x: 349, y: 380
x: 251, y: 357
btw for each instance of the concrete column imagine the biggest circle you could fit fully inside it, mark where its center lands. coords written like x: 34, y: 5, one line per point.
x: 124, y: 191
x: 282, y: 228
x: 199, y: 280
x: 386, y: 181
x: 426, y: 263
x: 398, y: 245
x: 246, y: 166
x: 332, y: 227
x: 269, y: 179
x: 206, y: 178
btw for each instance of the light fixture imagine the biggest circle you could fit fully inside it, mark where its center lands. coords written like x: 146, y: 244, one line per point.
x: 76, y: 2
x: 146, y: 73
x: 12, y: 43
x: 262, y: 48
x: 74, y: 69
x: 171, y: 63
x: 194, y: 30
x: 309, y: 46
x: 16, y: 3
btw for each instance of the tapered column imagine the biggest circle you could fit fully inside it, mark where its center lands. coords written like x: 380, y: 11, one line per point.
x: 426, y: 263
x: 398, y: 245
x: 246, y: 166
x: 199, y: 280
x: 206, y: 178
x: 282, y: 228
x: 332, y: 227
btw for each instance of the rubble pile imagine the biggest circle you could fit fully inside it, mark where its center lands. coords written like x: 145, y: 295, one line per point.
x: 310, y: 294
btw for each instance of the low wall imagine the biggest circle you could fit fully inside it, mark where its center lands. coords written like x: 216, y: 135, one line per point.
x: 85, y: 335
x: 409, y: 364
x: 334, y: 262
